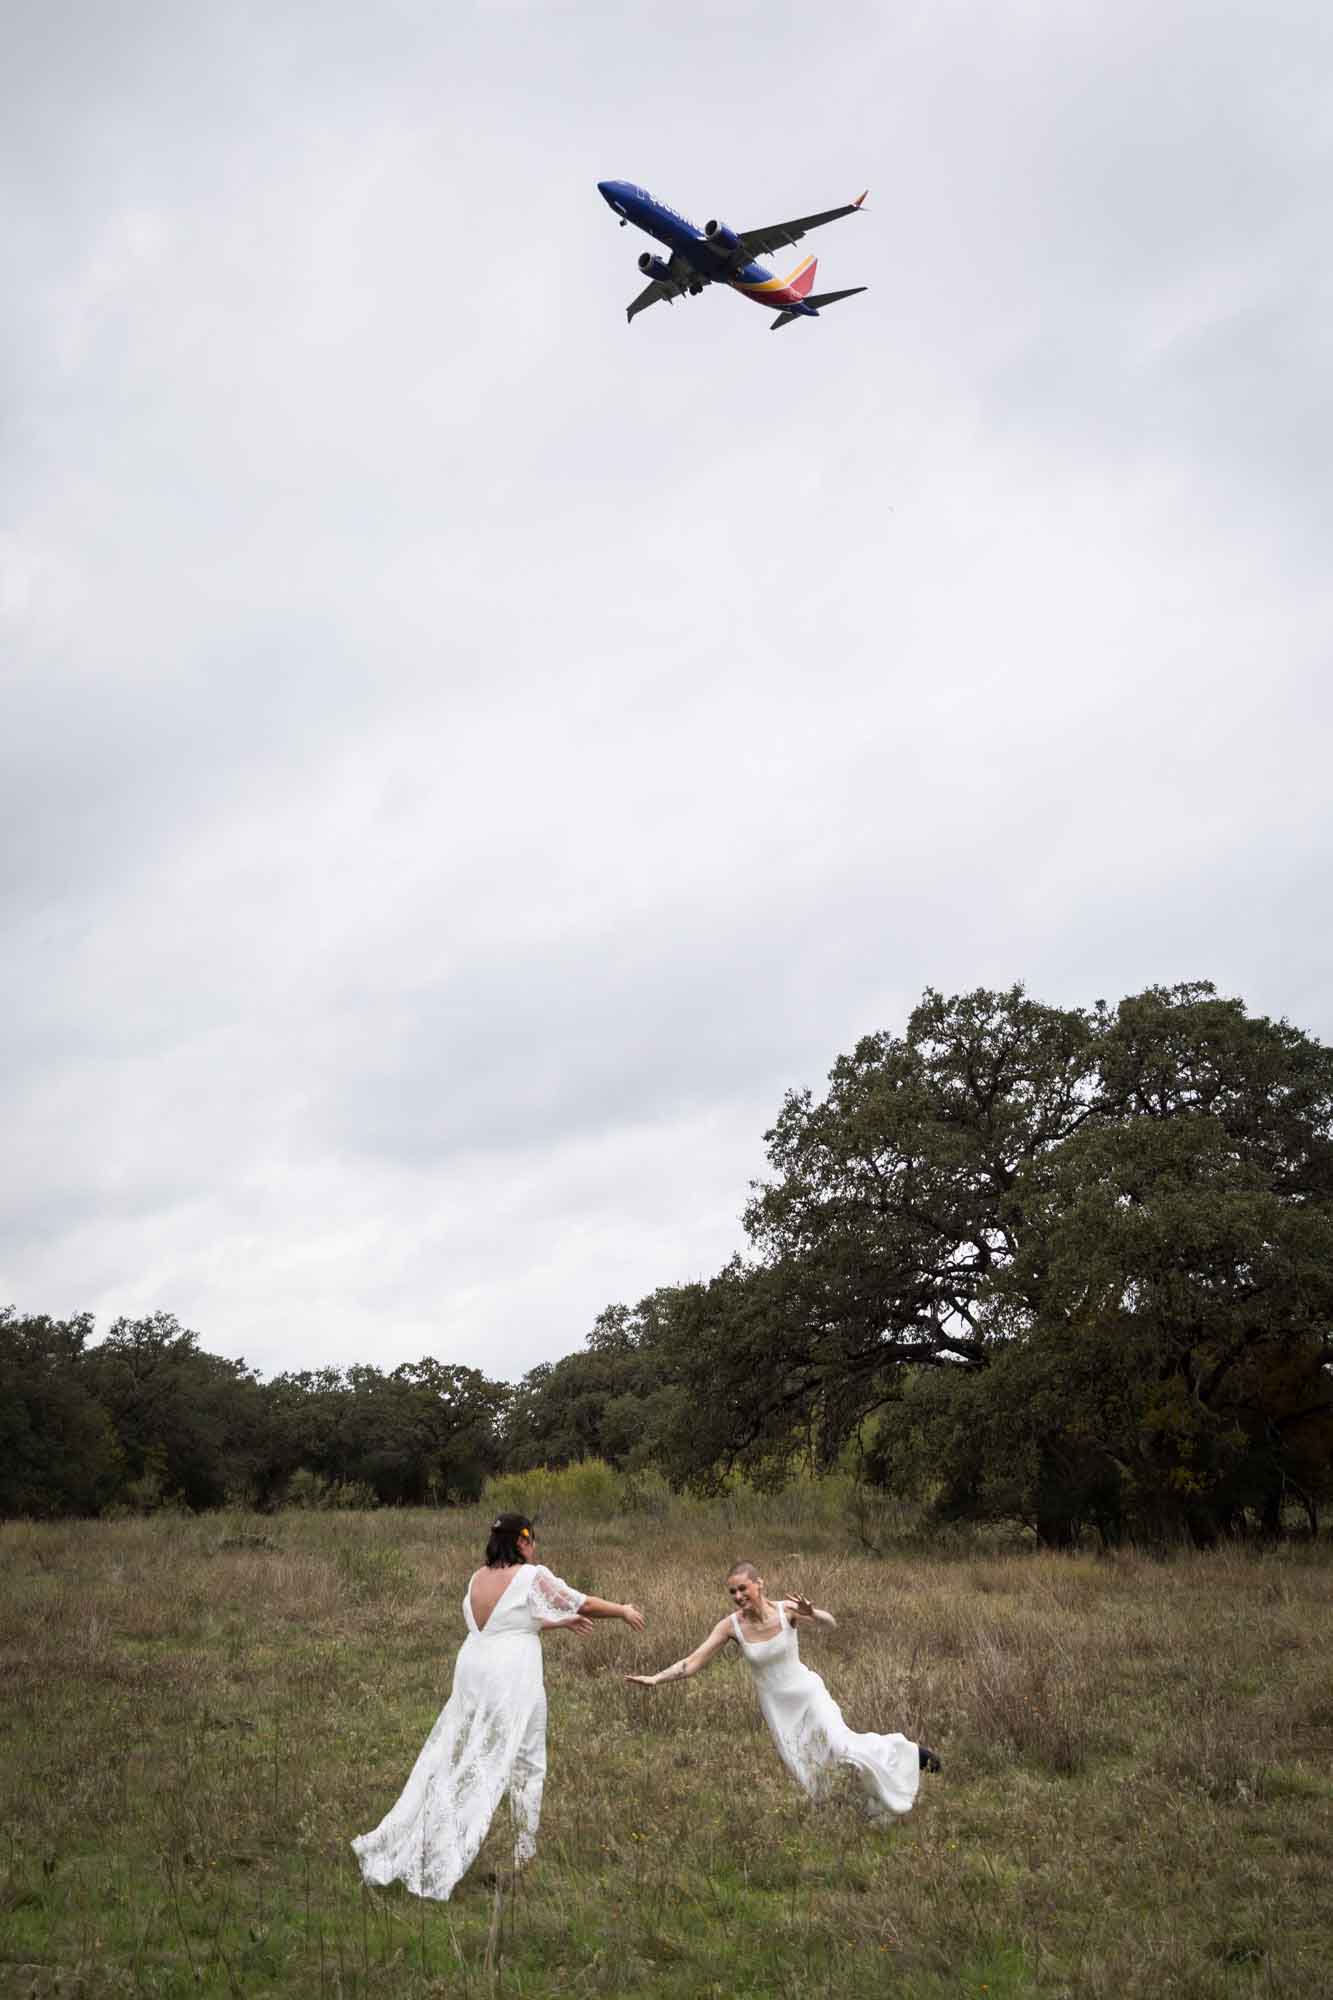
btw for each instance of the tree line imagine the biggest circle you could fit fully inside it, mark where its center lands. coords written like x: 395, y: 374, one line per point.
x: 1068, y: 1267
x: 146, y: 1418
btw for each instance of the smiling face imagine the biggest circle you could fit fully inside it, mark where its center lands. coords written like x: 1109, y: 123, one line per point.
x: 746, y: 1592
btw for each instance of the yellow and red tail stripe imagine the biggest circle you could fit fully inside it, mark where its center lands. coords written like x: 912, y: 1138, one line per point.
x: 781, y: 291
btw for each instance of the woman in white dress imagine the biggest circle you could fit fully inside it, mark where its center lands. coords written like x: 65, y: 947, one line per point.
x: 805, y: 1722
x: 490, y: 1737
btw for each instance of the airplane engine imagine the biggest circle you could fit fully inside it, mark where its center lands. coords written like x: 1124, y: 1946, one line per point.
x: 725, y: 241
x: 654, y: 267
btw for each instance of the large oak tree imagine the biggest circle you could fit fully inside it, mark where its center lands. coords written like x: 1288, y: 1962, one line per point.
x: 1069, y: 1264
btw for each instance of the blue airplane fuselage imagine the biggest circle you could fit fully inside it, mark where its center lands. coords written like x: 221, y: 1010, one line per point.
x: 712, y: 258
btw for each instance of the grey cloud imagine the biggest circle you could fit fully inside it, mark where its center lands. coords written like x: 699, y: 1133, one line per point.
x: 464, y: 758
x: 636, y: 1023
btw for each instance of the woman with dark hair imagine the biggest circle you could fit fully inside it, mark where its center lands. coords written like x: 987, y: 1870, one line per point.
x: 805, y: 1722
x: 490, y: 1737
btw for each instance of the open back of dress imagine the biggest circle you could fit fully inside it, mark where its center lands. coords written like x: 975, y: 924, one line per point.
x: 489, y: 1739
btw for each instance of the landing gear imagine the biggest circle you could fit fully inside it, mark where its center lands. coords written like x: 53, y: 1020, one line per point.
x: 694, y: 290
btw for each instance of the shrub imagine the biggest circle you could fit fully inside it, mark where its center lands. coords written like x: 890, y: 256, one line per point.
x: 312, y: 1491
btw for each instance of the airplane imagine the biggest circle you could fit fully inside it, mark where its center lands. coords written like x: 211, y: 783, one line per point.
x: 716, y: 255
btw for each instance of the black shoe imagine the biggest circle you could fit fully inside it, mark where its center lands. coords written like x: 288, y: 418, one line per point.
x: 929, y: 1760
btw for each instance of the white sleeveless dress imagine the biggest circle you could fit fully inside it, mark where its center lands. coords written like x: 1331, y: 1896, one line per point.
x: 812, y: 1738
x: 490, y: 1739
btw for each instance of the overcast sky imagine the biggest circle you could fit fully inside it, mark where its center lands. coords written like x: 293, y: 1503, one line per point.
x: 464, y: 758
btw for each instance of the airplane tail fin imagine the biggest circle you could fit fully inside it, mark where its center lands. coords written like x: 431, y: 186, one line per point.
x: 803, y: 277
x: 797, y: 286
x: 814, y: 300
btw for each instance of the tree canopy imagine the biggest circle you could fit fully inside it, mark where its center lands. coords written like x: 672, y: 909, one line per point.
x: 1066, y: 1266
x: 146, y: 1417
x: 1070, y: 1265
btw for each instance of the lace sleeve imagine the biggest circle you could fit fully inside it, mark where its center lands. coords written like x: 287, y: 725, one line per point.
x: 553, y: 1602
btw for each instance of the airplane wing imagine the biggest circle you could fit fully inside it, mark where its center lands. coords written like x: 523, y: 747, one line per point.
x: 682, y: 277
x: 763, y: 242
x: 651, y: 293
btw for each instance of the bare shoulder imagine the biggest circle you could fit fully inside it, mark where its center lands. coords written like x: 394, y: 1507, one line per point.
x: 724, y: 1629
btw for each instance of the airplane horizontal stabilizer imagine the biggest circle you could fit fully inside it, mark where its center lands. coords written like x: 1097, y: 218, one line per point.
x: 816, y: 300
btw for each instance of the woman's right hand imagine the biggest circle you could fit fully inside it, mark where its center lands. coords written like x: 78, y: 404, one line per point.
x: 642, y: 1680
x: 632, y: 1616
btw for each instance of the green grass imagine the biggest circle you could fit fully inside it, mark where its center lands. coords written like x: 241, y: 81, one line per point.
x: 196, y: 1715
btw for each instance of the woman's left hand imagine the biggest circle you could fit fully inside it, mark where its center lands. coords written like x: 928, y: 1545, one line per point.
x: 579, y: 1624
x: 802, y: 1607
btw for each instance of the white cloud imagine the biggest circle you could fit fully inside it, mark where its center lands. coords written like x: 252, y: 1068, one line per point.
x: 467, y: 757
x: 127, y: 247
x: 40, y: 589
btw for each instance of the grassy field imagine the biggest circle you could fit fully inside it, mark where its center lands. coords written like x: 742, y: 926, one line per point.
x: 196, y: 1715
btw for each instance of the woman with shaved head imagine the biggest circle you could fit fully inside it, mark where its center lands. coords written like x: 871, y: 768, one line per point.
x: 805, y: 1722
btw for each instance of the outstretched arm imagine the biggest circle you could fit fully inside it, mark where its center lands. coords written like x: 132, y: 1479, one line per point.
x: 681, y: 1670
x: 601, y: 1607
x: 802, y: 1612
x: 554, y: 1603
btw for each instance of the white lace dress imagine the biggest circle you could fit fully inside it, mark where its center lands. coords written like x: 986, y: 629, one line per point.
x: 812, y: 1738
x: 490, y: 1739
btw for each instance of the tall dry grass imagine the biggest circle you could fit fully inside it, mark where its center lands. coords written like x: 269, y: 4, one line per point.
x: 195, y: 1715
